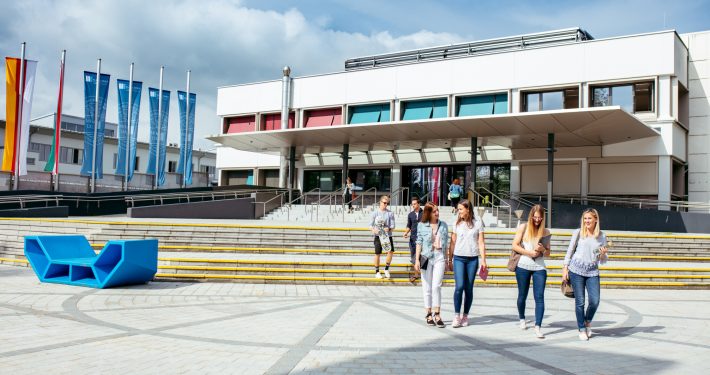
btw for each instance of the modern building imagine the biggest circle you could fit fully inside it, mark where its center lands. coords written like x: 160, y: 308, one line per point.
x: 626, y: 116
x: 71, y: 159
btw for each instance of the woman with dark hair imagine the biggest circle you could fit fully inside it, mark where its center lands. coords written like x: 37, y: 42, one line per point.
x: 432, y: 240
x: 466, y: 249
x: 586, y: 251
x: 532, y: 244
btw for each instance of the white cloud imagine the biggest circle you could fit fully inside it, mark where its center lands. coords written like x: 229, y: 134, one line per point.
x: 221, y: 41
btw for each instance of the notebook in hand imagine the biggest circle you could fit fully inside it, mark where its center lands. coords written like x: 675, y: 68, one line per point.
x: 545, y: 241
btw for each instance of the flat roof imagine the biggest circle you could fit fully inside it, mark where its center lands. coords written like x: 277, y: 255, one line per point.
x: 572, y: 128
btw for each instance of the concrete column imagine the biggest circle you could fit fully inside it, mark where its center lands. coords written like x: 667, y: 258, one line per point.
x: 396, y: 181
x: 474, y: 161
x: 515, y: 177
x: 291, y: 171
x: 665, y: 182
x: 585, y: 178
x: 346, y: 159
x: 283, y: 167
x: 550, y: 172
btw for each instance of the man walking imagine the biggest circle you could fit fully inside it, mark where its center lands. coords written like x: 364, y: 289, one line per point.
x: 382, y: 225
x: 411, y: 233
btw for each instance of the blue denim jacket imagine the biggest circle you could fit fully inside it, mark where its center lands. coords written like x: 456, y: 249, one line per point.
x: 426, y: 240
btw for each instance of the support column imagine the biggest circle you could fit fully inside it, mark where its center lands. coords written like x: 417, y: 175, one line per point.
x: 585, y: 180
x: 665, y: 181
x: 283, y: 167
x: 515, y: 176
x: 396, y: 183
x: 346, y: 158
x: 474, y: 160
x: 550, y: 171
x: 291, y: 171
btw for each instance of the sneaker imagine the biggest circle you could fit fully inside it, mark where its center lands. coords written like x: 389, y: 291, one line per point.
x: 583, y: 335
x: 378, y: 275
x: 464, y: 320
x: 588, y: 329
x: 538, y: 333
x: 387, y: 274
x: 523, y: 324
x: 457, y: 322
x: 439, y: 322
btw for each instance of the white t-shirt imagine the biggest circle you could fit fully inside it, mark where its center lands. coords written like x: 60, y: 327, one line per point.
x: 528, y: 263
x: 467, y: 239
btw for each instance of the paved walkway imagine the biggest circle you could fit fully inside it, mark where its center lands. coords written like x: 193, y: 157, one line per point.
x: 279, y: 329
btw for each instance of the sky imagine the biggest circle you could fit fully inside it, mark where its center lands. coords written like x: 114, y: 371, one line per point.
x: 225, y: 42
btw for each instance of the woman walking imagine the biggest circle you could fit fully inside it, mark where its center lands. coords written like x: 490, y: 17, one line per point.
x: 432, y: 241
x: 586, y: 251
x: 466, y: 249
x: 349, y: 194
x: 455, y: 192
x: 532, y: 244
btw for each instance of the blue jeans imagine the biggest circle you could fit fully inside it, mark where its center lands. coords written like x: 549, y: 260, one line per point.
x: 464, y: 273
x: 539, y: 279
x: 579, y: 283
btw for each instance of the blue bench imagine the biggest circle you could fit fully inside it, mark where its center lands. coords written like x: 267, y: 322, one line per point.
x: 71, y: 260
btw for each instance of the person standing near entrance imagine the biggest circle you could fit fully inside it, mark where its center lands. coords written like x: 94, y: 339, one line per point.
x: 455, y: 193
x: 382, y: 225
x: 531, y: 243
x: 411, y: 232
x: 586, y: 251
x: 466, y: 249
x: 432, y: 242
x: 349, y: 194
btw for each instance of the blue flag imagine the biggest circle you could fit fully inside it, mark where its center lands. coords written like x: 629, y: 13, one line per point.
x: 158, y: 132
x: 89, y: 106
x: 186, y: 137
x: 127, y: 146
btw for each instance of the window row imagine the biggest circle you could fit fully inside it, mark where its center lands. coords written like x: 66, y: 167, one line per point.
x: 363, y: 179
x: 632, y: 98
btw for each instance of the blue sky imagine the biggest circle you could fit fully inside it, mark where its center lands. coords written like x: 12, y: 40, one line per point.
x: 228, y: 42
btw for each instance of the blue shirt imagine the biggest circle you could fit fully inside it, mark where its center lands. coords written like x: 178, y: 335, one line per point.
x: 454, y: 190
x: 425, y: 238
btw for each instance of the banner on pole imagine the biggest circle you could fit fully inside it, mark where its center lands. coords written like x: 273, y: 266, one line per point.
x: 89, y: 105
x: 17, y: 125
x: 127, y: 147
x: 158, y: 132
x: 53, y: 162
x: 186, y: 137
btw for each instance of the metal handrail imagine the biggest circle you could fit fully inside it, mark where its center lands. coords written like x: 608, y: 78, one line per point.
x: 635, y: 202
x: 399, y: 190
x: 269, y: 201
x: 333, y: 196
x: 497, y: 207
x: 29, y: 198
x: 179, y: 195
x: 289, y: 204
x: 361, y: 196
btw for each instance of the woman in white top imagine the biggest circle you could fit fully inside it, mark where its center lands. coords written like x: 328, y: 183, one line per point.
x: 432, y: 242
x: 466, y: 248
x: 527, y: 243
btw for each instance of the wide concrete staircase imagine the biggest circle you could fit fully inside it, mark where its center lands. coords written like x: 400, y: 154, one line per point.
x: 314, y: 253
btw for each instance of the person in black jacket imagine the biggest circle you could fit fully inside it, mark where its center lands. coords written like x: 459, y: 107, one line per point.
x: 411, y: 232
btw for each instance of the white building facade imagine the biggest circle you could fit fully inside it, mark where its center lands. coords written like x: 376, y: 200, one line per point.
x: 627, y: 117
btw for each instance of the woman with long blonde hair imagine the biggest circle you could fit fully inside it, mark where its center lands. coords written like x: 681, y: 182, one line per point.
x: 530, y: 243
x: 586, y: 251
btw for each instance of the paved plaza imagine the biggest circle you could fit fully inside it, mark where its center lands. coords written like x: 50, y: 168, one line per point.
x: 169, y: 327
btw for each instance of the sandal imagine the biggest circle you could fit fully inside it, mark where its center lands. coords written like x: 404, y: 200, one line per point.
x: 438, y: 321
x: 429, y: 320
x: 413, y: 278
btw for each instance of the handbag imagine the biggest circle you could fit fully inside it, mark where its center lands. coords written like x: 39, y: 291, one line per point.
x: 566, y: 287
x: 423, y: 262
x: 514, y: 257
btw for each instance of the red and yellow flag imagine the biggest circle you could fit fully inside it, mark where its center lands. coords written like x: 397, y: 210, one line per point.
x: 17, y: 123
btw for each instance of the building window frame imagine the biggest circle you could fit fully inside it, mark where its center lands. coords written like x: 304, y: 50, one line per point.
x: 569, y: 101
x: 611, y: 85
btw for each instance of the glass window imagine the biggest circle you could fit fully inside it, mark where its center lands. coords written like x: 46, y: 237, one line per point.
x: 501, y: 104
x: 623, y: 97
x: 643, y: 97
x: 476, y: 105
x: 424, y: 109
x: 571, y: 98
x: 532, y: 102
x: 601, y: 97
x: 363, y: 114
x: 552, y: 100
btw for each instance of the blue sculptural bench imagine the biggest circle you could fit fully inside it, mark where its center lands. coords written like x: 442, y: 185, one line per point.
x: 71, y: 260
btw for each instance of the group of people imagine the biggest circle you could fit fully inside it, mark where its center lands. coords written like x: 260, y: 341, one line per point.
x: 435, y: 248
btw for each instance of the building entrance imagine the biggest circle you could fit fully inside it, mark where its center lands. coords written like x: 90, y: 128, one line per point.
x: 432, y: 182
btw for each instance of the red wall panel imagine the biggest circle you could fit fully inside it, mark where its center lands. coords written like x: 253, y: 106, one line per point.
x: 323, y: 117
x: 239, y: 124
x: 273, y: 121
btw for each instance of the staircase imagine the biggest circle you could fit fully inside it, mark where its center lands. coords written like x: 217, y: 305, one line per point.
x: 255, y: 252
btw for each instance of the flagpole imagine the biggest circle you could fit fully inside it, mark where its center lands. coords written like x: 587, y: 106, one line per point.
x: 58, y: 121
x: 96, y: 125
x: 160, y: 120
x: 18, y: 132
x: 187, y: 126
x: 128, y: 133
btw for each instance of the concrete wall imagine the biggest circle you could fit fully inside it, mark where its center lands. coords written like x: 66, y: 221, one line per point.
x: 241, y: 208
x: 699, y: 116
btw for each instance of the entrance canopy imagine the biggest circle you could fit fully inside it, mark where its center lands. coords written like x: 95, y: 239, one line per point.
x: 572, y: 128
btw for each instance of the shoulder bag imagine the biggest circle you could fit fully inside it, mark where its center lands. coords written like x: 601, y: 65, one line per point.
x: 566, y: 286
x: 515, y: 256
